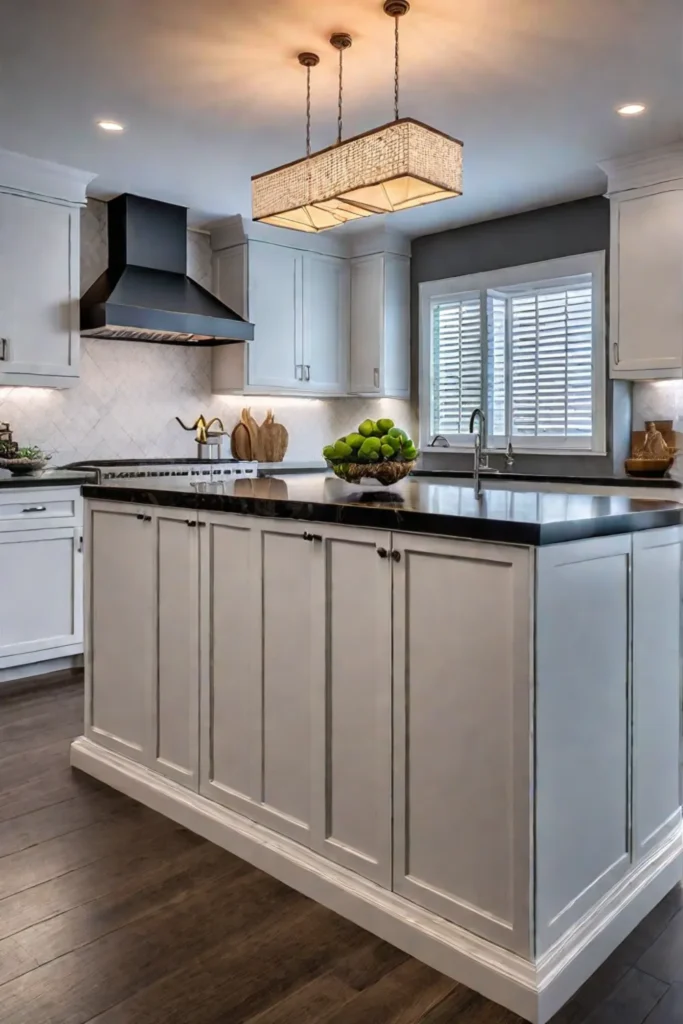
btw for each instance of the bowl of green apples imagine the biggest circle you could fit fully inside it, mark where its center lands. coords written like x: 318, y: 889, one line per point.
x: 378, y: 450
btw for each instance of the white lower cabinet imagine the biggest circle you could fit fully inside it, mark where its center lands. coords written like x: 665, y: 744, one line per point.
x: 462, y: 614
x: 296, y: 702
x: 142, y: 654
x: 43, y: 609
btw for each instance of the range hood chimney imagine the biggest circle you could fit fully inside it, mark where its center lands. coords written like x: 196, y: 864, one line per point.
x: 145, y: 294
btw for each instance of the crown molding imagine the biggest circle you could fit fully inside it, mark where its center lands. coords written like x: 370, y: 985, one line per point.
x: 639, y: 170
x: 26, y: 176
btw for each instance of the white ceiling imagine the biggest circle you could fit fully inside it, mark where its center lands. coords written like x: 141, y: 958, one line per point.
x: 211, y: 92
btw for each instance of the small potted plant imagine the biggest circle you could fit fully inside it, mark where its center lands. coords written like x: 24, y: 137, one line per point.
x: 22, y: 461
x: 378, y: 450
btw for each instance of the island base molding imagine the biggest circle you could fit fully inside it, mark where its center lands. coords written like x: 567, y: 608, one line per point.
x: 536, y: 991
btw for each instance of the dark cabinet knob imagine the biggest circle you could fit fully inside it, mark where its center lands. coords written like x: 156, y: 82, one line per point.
x: 382, y: 552
x: 312, y: 536
x: 396, y: 555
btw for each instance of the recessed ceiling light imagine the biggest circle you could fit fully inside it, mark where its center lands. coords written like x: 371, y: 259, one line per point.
x: 631, y: 109
x: 110, y: 126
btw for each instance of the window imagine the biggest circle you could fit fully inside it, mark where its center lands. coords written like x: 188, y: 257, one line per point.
x: 525, y: 344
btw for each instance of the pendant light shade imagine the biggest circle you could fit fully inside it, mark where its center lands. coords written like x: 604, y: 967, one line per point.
x: 400, y: 165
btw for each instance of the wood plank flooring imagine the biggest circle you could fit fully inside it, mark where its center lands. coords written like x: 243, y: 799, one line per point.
x: 111, y: 914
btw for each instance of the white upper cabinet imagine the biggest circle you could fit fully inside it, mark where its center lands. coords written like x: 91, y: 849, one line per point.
x: 646, y: 274
x: 380, y: 325
x: 325, y: 318
x: 39, y: 271
x: 318, y: 314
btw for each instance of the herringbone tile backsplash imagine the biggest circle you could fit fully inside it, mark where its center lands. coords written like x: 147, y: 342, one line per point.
x: 129, y: 393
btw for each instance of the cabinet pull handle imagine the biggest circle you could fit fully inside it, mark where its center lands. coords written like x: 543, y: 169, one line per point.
x: 79, y: 545
x: 4, y: 350
x: 299, y: 371
x: 312, y: 536
x: 308, y: 372
x: 396, y: 555
x: 615, y: 351
x: 382, y: 552
x: 375, y: 376
x: 201, y: 524
x: 35, y: 508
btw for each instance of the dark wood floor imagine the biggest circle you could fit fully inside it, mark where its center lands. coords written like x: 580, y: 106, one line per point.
x: 110, y: 914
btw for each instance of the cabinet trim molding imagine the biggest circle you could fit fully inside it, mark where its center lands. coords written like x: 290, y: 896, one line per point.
x: 25, y: 176
x: 637, y: 170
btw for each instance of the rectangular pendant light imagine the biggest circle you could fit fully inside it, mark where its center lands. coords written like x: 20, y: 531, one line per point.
x: 395, y: 167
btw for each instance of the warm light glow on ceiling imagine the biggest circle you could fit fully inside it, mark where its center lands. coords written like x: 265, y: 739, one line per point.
x: 631, y: 109
x: 110, y: 126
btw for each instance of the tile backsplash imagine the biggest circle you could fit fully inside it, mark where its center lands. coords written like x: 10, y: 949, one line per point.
x: 129, y: 393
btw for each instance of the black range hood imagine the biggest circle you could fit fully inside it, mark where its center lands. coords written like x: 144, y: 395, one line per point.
x: 145, y: 294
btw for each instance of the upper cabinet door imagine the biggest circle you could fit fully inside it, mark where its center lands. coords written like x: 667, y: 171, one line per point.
x: 367, y: 323
x: 275, y: 360
x: 39, y: 275
x: 325, y: 324
x: 646, y: 305
x: 380, y: 325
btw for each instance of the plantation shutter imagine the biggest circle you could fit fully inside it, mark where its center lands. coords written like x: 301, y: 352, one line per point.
x: 551, y: 344
x: 457, y: 363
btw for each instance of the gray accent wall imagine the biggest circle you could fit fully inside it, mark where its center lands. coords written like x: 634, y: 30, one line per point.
x: 546, y: 234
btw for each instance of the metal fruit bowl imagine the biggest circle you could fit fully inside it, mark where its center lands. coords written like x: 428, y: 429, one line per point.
x: 385, y: 473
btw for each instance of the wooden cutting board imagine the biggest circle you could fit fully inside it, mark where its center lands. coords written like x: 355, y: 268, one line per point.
x: 274, y: 439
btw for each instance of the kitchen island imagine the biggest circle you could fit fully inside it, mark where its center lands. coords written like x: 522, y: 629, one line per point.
x: 455, y: 722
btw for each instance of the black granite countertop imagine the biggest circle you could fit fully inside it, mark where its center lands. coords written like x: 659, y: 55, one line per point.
x: 516, y: 517
x: 48, y: 478
x: 666, y: 482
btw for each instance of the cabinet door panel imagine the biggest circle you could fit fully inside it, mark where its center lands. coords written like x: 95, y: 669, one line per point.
x: 396, y: 373
x: 177, y: 669
x: 582, y: 729
x: 649, y: 270
x: 325, y: 323
x: 231, y: 699
x: 275, y: 311
x: 39, y: 286
x: 656, y: 685
x: 287, y: 674
x: 461, y: 726
x: 367, y: 323
x: 352, y: 687
x: 122, y: 644
x: 42, y: 609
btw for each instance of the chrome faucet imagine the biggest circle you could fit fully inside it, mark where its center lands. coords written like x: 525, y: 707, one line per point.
x: 481, y: 459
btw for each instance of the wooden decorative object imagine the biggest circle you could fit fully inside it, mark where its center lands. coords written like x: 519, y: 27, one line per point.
x: 652, y: 450
x: 274, y: 439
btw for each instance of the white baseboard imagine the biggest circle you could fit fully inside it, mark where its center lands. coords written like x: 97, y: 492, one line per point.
x: 533, y: 990
x: 43, y: 665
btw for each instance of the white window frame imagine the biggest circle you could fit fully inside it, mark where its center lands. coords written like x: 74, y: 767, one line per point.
x: 540, y: 274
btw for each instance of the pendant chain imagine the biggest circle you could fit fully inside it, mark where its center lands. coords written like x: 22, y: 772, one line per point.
x: 396, y: 68
x: 308, y: 111
x: 341, y: 88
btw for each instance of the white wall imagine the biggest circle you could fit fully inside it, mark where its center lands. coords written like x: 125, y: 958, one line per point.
x: 129, y: 394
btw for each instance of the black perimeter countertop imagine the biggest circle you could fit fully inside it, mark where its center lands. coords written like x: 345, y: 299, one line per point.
x: 513, y: 517
x: 48, y: 478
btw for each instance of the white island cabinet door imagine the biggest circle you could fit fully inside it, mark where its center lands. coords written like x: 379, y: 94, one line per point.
x: 41, y: 603
x: 39, y: 274
x: 121, y: 641
x: 351, y: 732
x: 583, y: 732
x: 230, y: 615
x: 175, y: 699
x: 656, y: 685
x: 462, y: 694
